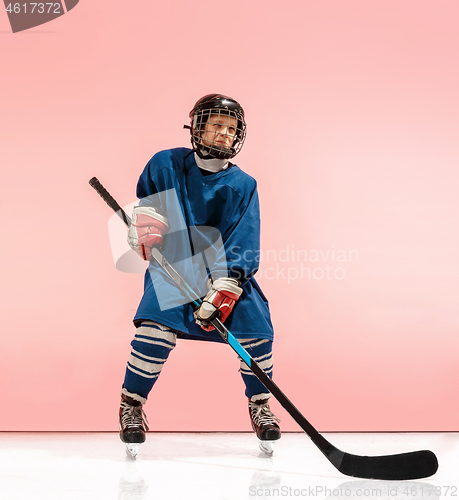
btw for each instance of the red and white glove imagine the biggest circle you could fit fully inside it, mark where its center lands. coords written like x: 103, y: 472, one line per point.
x: 219, y: 302
x: 147, y: 230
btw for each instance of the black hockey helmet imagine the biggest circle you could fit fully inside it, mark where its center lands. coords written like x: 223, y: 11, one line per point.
x: 216, y: 104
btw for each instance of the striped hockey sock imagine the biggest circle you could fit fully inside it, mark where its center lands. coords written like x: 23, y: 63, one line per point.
x: 151, y: 347
x: 261, y: 352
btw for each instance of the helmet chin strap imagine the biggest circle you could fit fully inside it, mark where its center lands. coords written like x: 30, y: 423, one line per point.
x: 210, y: 164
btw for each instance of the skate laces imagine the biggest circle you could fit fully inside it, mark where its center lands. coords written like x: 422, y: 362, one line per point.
x: 133, y: 416
x: 261, y: 414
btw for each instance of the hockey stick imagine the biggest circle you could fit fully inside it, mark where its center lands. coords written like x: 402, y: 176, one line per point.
x: 402, y: 466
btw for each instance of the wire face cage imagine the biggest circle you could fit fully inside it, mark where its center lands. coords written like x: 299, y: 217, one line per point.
x: 218, y: 133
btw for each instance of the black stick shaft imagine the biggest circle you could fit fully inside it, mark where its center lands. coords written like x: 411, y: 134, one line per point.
x: 110, y: 201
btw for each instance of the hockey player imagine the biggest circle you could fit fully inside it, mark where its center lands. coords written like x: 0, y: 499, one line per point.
x: 218, y: 202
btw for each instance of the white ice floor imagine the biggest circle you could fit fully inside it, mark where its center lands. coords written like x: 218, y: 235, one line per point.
x: 86, y: 466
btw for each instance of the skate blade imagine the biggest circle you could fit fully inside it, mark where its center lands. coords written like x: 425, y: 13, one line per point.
x: 132, y: 449
x: 266, y: 447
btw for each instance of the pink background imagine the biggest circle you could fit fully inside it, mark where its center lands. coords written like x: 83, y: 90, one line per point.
x: 352, y: 108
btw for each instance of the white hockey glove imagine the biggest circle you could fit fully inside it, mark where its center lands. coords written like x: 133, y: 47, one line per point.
x: 218, y: 303
x: 147, y: 229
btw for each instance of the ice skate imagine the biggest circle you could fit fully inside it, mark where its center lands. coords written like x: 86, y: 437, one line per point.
x: 133, y: 424
x: 264, y: 423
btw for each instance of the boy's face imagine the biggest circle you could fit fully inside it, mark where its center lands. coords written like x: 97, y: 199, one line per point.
x: 220, y: 130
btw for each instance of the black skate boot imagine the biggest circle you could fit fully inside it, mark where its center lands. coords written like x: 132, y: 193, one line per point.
x: 133, y: 424
x: 264, y: 423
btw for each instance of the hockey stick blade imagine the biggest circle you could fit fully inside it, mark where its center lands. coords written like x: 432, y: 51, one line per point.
x: 402, y: 466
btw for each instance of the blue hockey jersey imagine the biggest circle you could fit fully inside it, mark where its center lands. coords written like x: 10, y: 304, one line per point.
x: 214, y: 231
